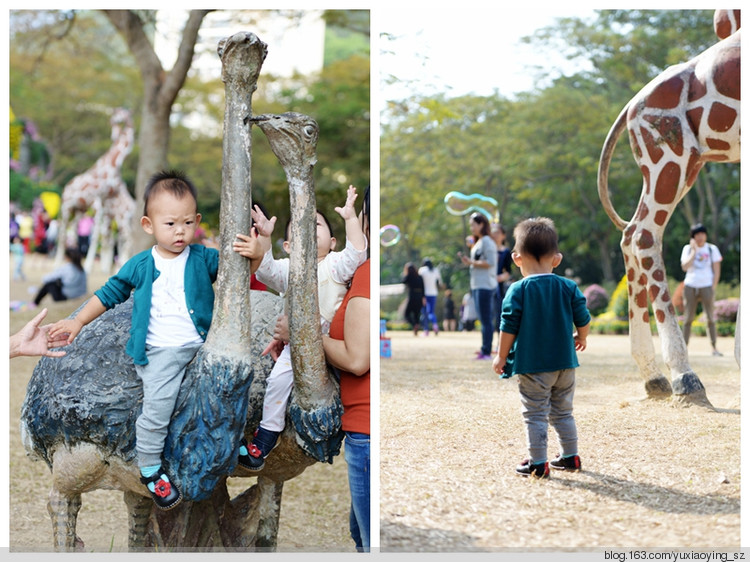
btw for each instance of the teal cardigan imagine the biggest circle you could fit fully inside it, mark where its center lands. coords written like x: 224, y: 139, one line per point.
x: 139, y: 273
x: 541, y: 311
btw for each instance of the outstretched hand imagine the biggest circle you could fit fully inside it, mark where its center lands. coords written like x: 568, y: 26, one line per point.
x: 248, y: 246
x: 65, y: 330
x: 275, y: 347
x: 348, y: 211
x: 280, y: 337
x: 34, y: 340
x: 263, y: 225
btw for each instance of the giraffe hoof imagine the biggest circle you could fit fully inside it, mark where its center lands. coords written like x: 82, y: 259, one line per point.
x: 689, y: 390
x: 658, y: 388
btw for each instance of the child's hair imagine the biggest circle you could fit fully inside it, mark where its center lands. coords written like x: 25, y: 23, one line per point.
x: 325, y: 218
x: 536, y: 237
x: 173, y: 181
x: 483, y: 222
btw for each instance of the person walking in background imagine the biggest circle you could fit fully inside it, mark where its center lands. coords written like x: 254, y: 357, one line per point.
x: 468, y: 313
x: 482, y: 278
x: 415, y: 295
x: 84, y: 229
x: 538, y: 344
x: 449, y: 312
x: 18, y: 251
x: 432, y: 281
x: 701, y: 263
x: 504, y: 262
x: 26, y: 230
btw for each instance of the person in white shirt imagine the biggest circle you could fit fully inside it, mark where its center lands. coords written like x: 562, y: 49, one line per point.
x: 431, y: 277
x: 701, y: 263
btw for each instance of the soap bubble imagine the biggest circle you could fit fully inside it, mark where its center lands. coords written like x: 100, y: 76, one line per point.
x: 389, y: 235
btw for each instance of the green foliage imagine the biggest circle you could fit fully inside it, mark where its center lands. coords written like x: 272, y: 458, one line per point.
x: 68, y: 68
x: 23, y: 190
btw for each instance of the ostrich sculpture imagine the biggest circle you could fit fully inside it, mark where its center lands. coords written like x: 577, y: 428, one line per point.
x: 80, y: 410
x: 685, y: 117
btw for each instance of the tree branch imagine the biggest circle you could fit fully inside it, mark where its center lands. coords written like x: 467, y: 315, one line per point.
x: 175, y: 78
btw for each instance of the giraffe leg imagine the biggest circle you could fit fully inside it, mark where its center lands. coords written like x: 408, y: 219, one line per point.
x: 642, y: 347
x: 651, y: 285
x: 62, y: 234
x: 139, y: 511
x: 63, y: 510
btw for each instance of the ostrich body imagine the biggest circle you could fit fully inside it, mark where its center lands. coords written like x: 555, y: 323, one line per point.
x: 80, y: 410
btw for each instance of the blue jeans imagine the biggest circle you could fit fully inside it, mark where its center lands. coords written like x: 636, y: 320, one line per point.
x: 430, y: 319
x: 484, y: 300
x: 357, y: 455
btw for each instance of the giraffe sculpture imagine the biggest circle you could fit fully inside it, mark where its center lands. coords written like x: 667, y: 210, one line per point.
x: 92, y: 188
x: 118, y: 209
x: 683, y: 118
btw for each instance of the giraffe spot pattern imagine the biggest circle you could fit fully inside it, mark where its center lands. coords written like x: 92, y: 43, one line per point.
x: 666, y: 183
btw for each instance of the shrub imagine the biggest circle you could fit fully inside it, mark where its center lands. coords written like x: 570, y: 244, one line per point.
x: 597, y: 299
x: 619, y: 301
x: 726, y: 310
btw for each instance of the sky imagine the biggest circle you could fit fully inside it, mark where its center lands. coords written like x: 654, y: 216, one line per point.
x: 469, y: 51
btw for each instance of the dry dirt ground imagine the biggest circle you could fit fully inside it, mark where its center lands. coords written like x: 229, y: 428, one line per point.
x: 315, y: 505
x: 654, y: 474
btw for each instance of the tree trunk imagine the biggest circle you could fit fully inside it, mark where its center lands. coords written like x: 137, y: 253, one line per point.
x: 160, y: 89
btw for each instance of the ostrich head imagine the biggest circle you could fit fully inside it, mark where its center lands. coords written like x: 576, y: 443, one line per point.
x: 293, y: 138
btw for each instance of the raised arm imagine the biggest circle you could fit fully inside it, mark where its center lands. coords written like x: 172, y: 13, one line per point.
x: 353, y: 228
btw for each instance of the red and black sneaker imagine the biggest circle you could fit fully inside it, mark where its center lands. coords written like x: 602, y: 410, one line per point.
x: 566, y: 463
x: 539, y: 470
x: 264, y: 441
x: 165, y: 493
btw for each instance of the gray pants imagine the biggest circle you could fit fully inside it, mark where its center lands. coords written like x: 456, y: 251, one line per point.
x: 547, y: 398
x: 161, y: 378
x: 690, y: 298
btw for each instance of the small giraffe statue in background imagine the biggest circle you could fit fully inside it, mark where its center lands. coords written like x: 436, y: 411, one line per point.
x: 92, y: 188
x: 118, y: 209
x: 683, y: 118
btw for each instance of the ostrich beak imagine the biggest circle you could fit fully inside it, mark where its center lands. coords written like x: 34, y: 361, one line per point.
x: 260, y: 118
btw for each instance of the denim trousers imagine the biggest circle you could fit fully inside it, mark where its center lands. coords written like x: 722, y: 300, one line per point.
x: 357, y: 455
x: 484, y: 301
x: 547, y: 398
x: 430, y: 319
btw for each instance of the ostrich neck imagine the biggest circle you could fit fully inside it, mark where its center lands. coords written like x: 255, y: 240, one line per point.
x: 311, y: 380
x: 230, y: 327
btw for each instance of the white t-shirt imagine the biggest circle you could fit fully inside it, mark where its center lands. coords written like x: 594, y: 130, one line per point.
x: 701, y: 273
x: 170, y: 324
x: 431, y: 278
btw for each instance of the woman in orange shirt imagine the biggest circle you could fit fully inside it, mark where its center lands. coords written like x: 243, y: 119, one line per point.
x: 347, y: 347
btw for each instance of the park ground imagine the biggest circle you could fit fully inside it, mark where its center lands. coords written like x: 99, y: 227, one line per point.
x: 655, y: 474
x: 314, y: 508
